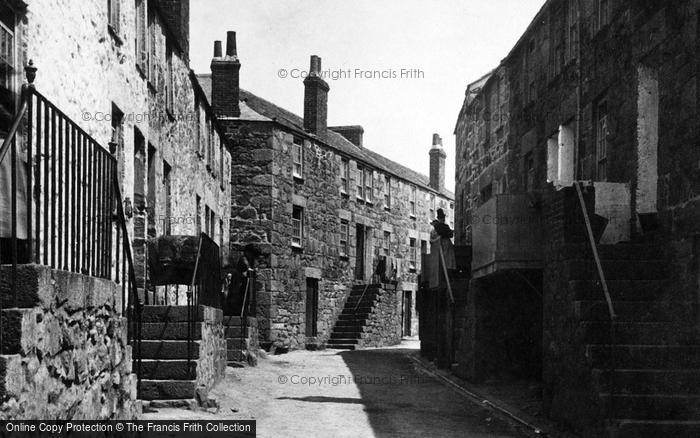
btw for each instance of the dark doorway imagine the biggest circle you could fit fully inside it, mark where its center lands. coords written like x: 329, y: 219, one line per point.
x: 311, y: 307
x: 151, y: 197
x: 360, y: 253
x: 406, y: 314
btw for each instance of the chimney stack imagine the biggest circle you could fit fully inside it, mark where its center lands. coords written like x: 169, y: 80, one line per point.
x: 225, y: 88
x: 315, y: 99
x: 352, y: 133
x: 437, y: 164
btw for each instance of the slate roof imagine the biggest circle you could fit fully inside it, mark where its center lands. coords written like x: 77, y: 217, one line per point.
x: 258, y: 109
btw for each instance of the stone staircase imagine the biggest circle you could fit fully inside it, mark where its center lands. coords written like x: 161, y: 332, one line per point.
x: 167, y: 377
x: 242, y: 342
x: 351, y: 322
x: 655, y: 388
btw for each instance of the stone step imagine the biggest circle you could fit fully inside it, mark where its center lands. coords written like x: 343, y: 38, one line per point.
x: 170, y: 330
x: 645, y: 356
x: 237, y: 364
x: 237, y: 344
x: 657, y: 429
x: 362, y: 310
x: 361, y: 287
x: 237, y: 332
x: 679, y: 407
x: 634, y: 311
x: 236, y: 356
x: 620, y: 251
x: 347, y: 329
x: 618, y: 270
x: 236, y: 321
x: 652, y: 333
x: 345, y: 335
x: 367, y: 301
x: 336, y: 341
x: 168, y: 369
x: 170, y: 314
x: 620, y: 290
x: 167, y: 349
x: 353, y: 317
x: 341, y: 346
x: 151, y: 389
x: 636, y: 381
x: 350, y: 322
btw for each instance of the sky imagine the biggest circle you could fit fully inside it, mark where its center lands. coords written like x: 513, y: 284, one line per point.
x: 438, y: 47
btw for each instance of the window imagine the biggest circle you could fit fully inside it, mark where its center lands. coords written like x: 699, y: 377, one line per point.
x: 387, y: 193
x: 167, y: 184
x: 208, y: 140
x: 602, y: 141
x: 155, y: 70
x: 360, y: 183
x: 432, y: 206
x: 113, y: 10
x: 298, y: 158
x: 198, y: 126
x: 221, y: 157
x: 344, y: 176
x: 344, y: 238
x: 412, y: 254
x: 169, y: 79
x: 369, y: 185
x: 387, y: 243
x: 297, y: 226
x: 141, y: 40
x: 412, y: 202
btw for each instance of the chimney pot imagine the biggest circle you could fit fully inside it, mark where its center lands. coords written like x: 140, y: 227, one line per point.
x: 231, y: 44
x: 217, y: 49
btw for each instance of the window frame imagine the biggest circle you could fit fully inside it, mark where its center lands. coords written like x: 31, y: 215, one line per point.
x: 141, y: 37
x: 412, y: 256
x: 297, y: 227
x: 360, y: 183
x: 387, y: 192
x: 344, y: 238
x: 368, y: 180
x: 298, y: 158
x: 344, y: 176
x: 114, y: 18
x: 412, y: 202
x: 386, y: 244
x: 8, y: 78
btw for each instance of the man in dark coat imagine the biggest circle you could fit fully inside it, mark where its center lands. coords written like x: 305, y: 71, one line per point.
x: 242, y: 285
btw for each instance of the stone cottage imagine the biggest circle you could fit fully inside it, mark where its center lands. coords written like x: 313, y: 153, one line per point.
x: 577, y: 195
x: 324, y: 209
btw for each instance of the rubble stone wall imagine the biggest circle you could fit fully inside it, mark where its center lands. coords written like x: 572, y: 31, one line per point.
x: 211, y: 364
x: 65, y: 351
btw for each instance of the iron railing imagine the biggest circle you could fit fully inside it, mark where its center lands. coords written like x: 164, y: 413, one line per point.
x: 606, y: 293
x: 66, y: 209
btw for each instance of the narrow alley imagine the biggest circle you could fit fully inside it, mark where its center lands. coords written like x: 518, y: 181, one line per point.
x: 335, y: 393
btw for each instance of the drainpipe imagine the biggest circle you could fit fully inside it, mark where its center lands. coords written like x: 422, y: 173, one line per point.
x: 579, y: 84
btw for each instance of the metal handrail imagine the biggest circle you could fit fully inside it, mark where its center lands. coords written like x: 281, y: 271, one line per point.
x: 606, y: 292
x: 135, y: 308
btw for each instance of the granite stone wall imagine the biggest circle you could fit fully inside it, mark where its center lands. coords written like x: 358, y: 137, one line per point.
x: 383, y: 327
x: 65, y: 353
x: 211, y: 363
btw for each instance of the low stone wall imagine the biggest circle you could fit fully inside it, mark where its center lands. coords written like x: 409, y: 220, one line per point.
x: 65, y: 353
x: 211, y: 365
x: 383, y: 326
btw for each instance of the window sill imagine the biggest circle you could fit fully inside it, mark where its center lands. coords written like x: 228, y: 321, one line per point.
x: 412, y: 270
x: 296, y: 247
x: 369, y: 203
x: 344, y: 257
x: 387, y: 208
x: 360, y: 200
x: 344, y: 194
x: 412, y: 216
x: 298, y: 178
